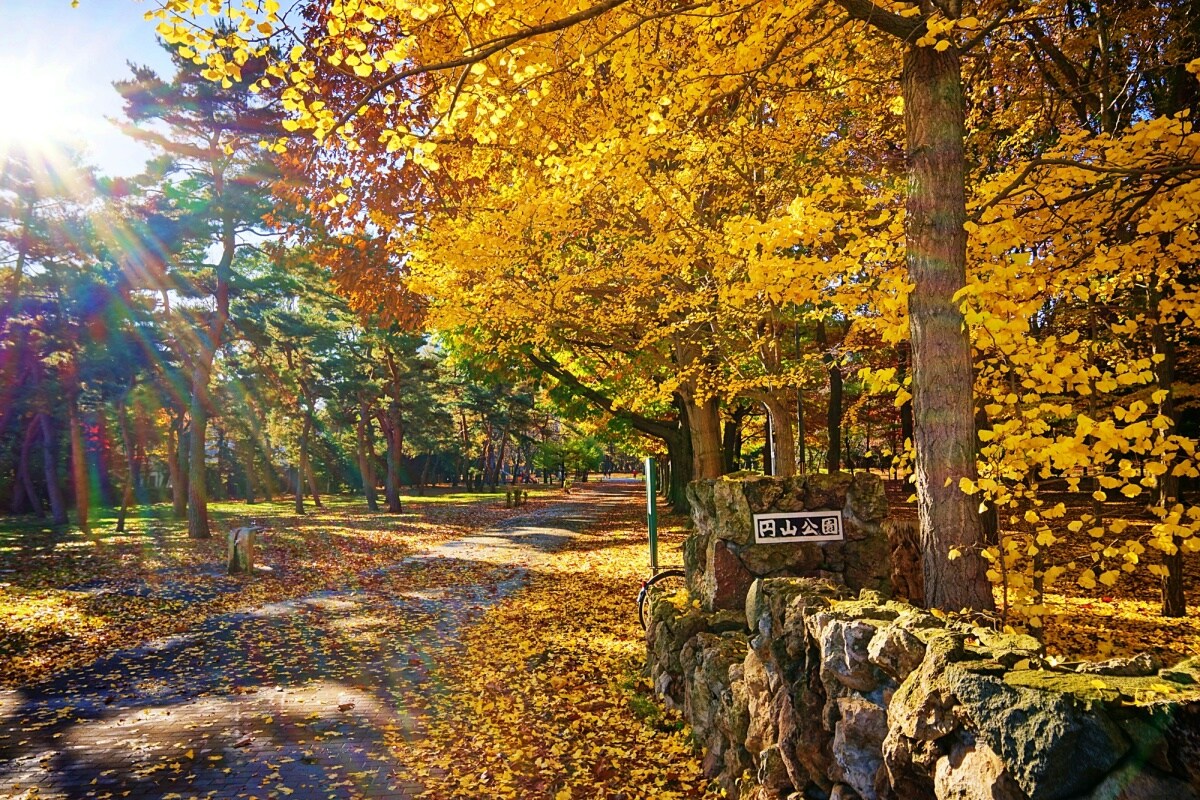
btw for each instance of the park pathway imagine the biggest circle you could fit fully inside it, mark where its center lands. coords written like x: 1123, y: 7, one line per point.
x: 297, y: 699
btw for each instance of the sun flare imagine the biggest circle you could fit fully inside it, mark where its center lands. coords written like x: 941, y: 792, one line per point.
x: 38, y: 107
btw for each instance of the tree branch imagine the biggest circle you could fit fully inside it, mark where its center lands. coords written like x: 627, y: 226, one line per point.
x: 653, y: 427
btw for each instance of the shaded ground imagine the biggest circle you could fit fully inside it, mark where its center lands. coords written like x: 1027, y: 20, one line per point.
x: 309, y: 697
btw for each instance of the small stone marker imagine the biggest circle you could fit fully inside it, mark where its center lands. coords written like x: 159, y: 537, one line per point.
x: 798, y: 526
x: 241, y: 550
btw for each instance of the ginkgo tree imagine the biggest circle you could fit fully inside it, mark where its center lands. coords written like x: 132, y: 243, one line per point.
x: 483, y: 74
x: 433, y: 119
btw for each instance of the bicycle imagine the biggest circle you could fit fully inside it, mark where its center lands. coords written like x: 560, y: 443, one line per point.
x: 662, y: 582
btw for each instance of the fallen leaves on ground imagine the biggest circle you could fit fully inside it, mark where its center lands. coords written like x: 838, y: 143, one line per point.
x: 545, y: 698
x: 65, y: 601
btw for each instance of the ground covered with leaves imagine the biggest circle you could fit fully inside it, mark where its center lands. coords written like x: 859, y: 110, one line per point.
x: 66, y: 600
x: 1101, y: 620
x: 547, y: 699
x: 499, y: 660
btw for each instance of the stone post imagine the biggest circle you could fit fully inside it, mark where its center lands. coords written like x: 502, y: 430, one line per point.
x: 240, y: 554
x: 722, y: 559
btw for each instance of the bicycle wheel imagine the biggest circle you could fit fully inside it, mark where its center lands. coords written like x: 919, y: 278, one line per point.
x: 668, y: 581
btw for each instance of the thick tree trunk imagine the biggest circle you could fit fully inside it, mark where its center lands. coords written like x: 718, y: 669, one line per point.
x: 955, y: 573
x: 704, y: 424
x: 202, y: 371
x: 785, y: 442
x: 301, y: 467
x: 58, y: 504
x: 394, y: 436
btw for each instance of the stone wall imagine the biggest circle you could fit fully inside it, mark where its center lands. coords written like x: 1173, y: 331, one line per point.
x: 722, y: 558
x: 813, y: 694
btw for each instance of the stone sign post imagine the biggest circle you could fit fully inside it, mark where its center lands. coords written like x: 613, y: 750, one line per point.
x: 240, y: 554
x: 818, y: 526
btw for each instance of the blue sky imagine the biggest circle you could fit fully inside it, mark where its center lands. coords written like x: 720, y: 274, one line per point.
x: 86, y: 49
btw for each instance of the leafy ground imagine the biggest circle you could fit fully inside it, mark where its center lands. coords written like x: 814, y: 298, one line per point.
x: 546, y: 698
x: 65, y: 600
x: 1095, y: 623
x: 499, y: 663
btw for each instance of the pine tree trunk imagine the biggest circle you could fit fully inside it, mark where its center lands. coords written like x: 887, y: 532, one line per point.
x: 175, y: 461
x: 394, y: 436
x: 197, y: 490
x: 131, y: 470
x: 79, y: 470
x: 801, y: 434
x: 731, y: 442
x: 302, y: 467
x: 58, y: 504
x: 312, y: 485
x: 943, y: 411
x: 366, y: 459
x: 248, y: 465
x: 25, y: 475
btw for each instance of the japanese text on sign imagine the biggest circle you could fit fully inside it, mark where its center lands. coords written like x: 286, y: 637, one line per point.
x: 794, y: 526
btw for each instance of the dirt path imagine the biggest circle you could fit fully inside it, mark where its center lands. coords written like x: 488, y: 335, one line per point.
x: 297, y: 699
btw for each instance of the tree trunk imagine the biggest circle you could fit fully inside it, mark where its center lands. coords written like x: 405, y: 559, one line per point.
x: 943, y: 412
x: 58, y: 505
x: 801, y: 433
x: 248, y: 465
x: 833, y: 417
x: 704, y: 424
x: 731, y: 438
x: 24, y: 473
x: 393, y: 436
x: 302, y: 466
x: 269, y: 476
x: 79, y: 471
x: 1174, y: 600
x: 201, y: 371
x: 175, y: 458
x: 197, y: 491
x: 768, y: 453
x: 312, y: 484
x: 366, y: 458
x: 785, y: 442
x: 131, y: 470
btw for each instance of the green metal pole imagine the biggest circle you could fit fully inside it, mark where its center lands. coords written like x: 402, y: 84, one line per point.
x: 652, y: 512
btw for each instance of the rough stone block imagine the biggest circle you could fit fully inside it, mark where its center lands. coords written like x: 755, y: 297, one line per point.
x: 240, y: 551
x: 722, y: 558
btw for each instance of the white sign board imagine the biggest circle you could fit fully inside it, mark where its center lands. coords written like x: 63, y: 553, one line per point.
x: 798, y: 526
